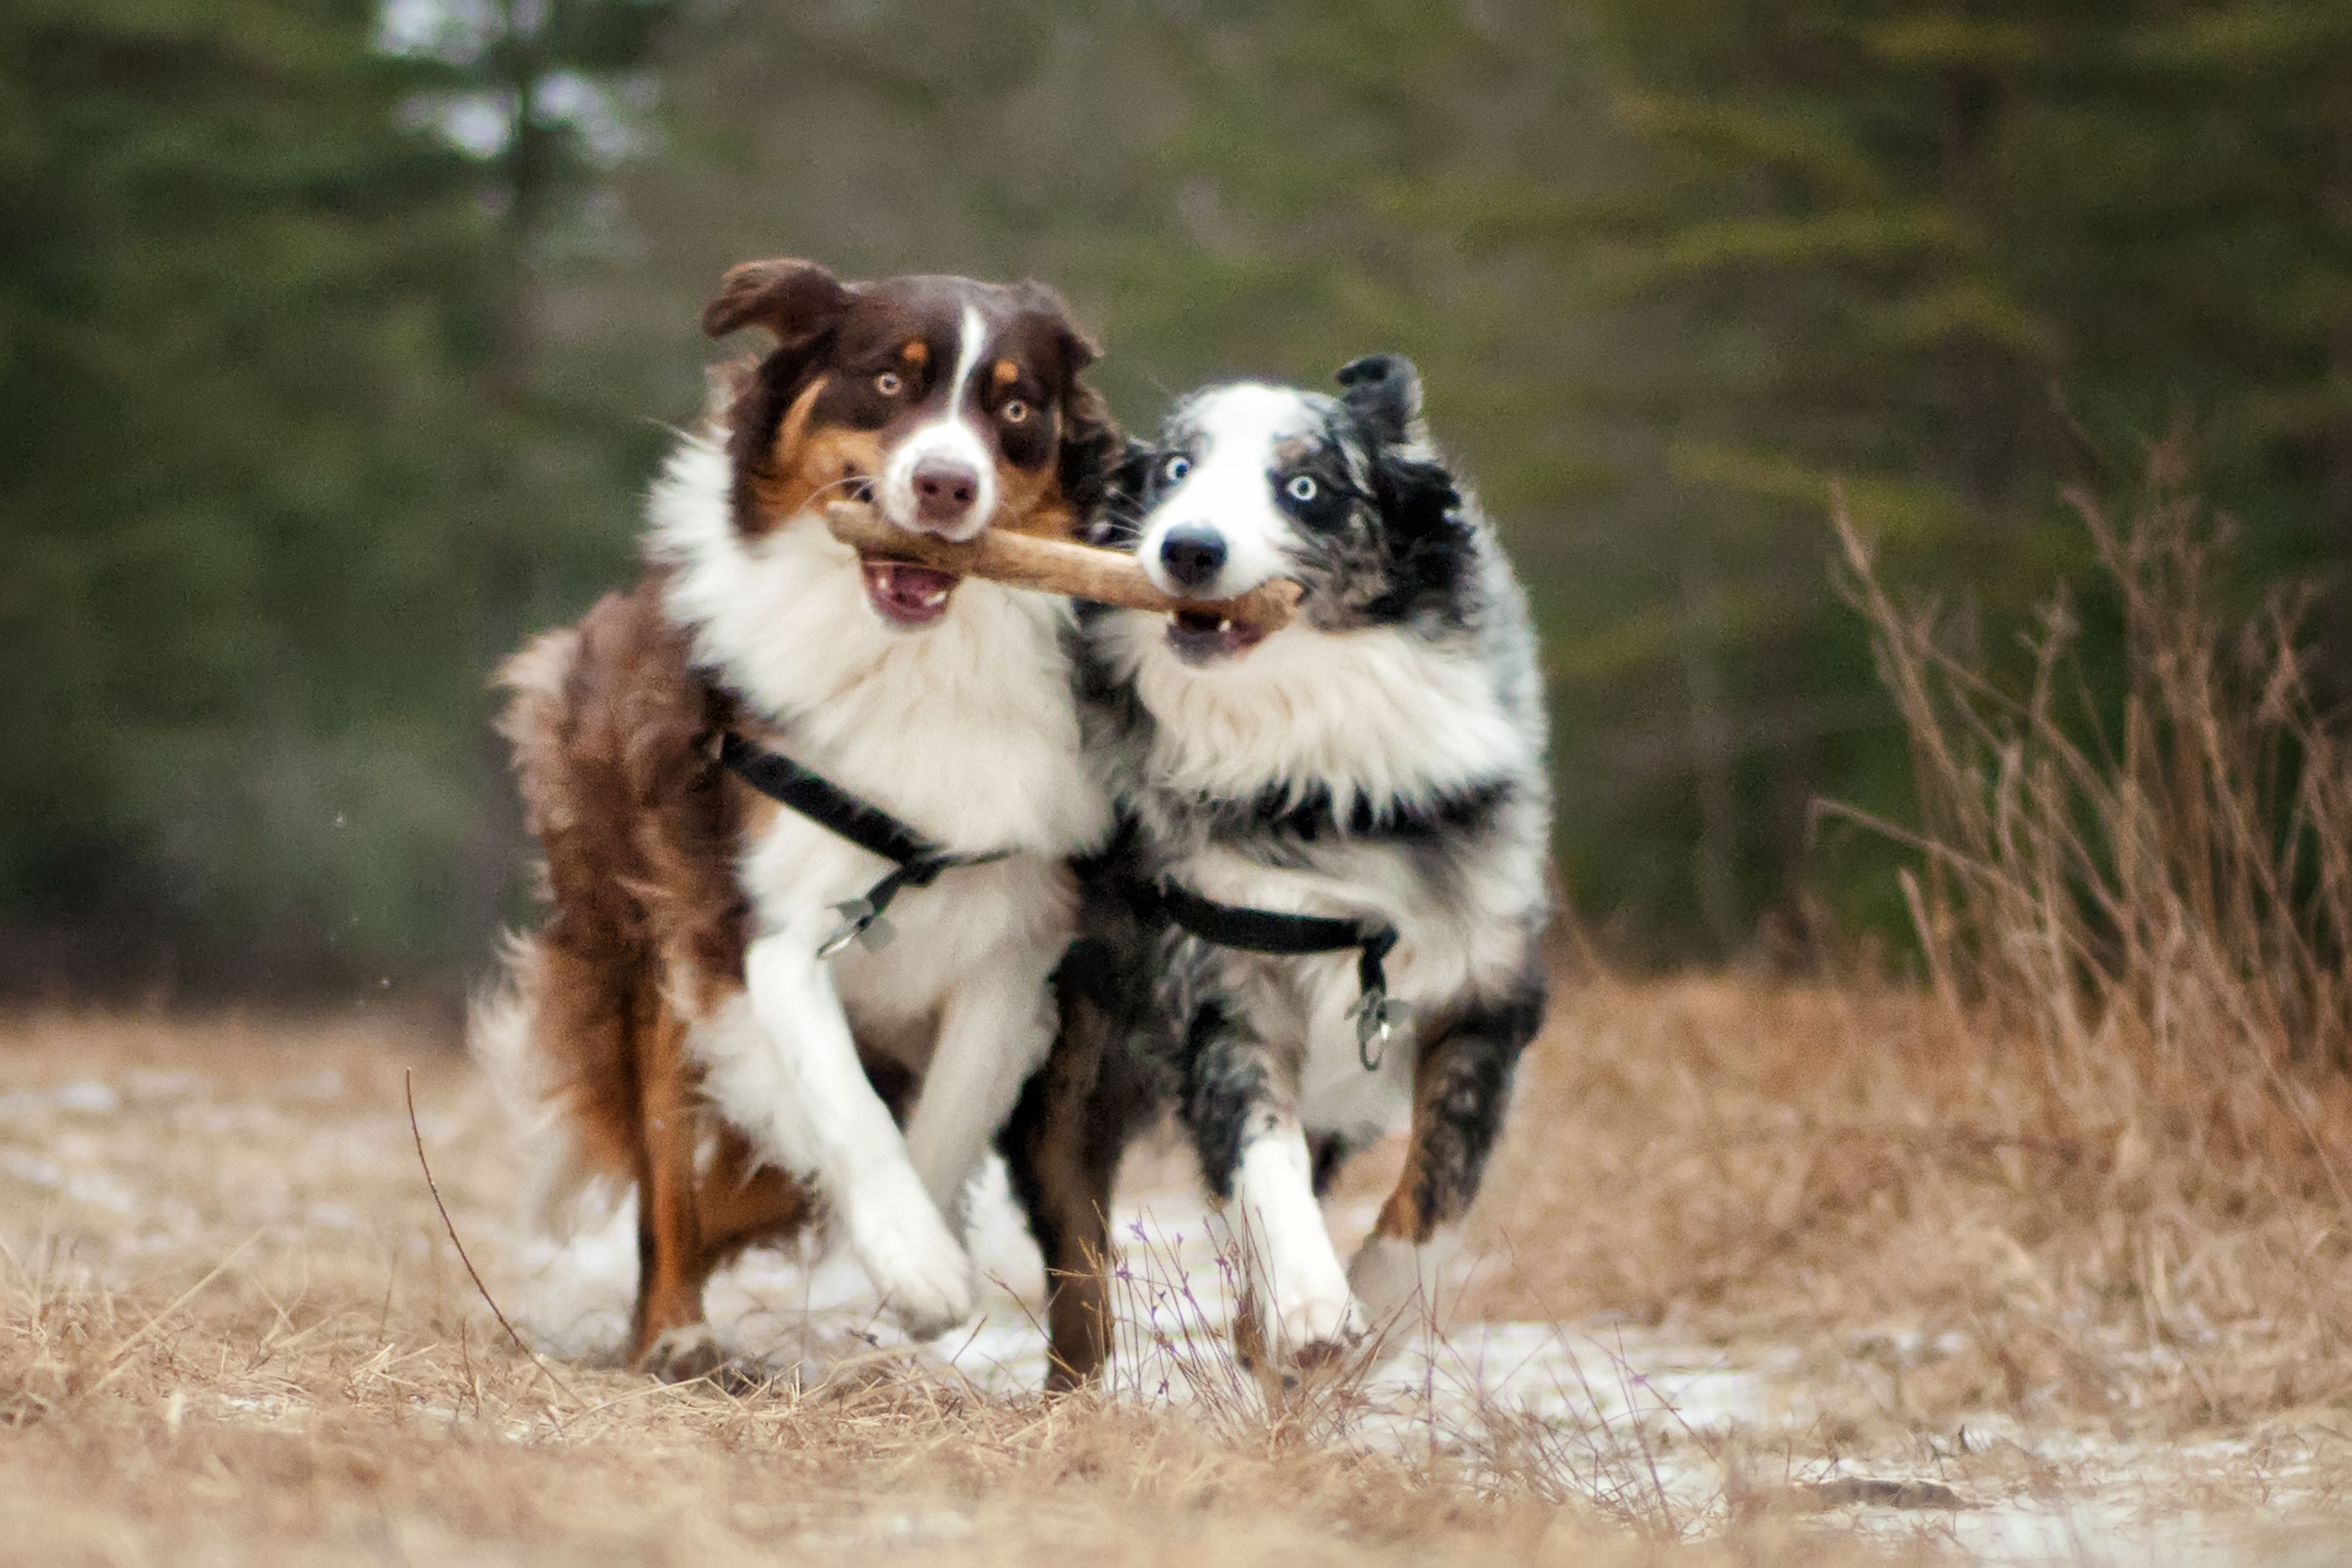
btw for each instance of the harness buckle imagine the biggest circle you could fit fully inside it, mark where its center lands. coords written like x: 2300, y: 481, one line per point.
x: 862, y: 924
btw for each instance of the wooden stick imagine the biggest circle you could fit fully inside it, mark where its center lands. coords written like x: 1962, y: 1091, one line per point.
x: 1052, y: 566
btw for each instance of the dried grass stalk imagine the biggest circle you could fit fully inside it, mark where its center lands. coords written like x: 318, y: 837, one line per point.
x: 2151, y: 901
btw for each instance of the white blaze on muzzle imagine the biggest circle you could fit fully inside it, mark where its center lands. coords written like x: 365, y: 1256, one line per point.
x: 1226, y: 500
x: 951, y: 443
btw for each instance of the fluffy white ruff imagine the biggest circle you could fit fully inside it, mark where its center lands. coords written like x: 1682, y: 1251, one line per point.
x: 1369, y: 715
x: 965, y: 730
x: 968, y: 731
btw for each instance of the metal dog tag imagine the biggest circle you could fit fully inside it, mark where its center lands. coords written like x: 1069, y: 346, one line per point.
x: 862, y: 924
x: 1377, y: 1017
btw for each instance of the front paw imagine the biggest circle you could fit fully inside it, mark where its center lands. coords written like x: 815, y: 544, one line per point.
x: 683, y: 1354
x: 1394, y: 1280
x: 915, y: 1263
x: 1311, y: 1329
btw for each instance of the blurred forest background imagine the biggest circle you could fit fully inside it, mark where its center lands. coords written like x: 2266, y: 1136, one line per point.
x: 338, y: 339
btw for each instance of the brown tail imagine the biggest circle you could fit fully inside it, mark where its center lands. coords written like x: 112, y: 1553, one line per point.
x: 552, y: 1033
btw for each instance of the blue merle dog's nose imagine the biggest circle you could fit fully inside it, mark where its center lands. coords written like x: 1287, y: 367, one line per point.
x: 1193, y: 553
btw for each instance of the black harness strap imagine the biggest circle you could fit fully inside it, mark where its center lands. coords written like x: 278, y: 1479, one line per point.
x: 1295, y: 936
x: 826, y: 804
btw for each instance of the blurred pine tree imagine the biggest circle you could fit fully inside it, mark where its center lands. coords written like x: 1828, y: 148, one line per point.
x: 334, y: 338
x: 226, y: 281
x: 250, y: 300
x: 1956, y: 261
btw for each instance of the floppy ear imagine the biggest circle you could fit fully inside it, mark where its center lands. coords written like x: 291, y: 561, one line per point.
x: 1115, y: 521
x: 1092, y: 442
x: 1093, y: 447
x: 1383, y: 391
x: 1078, y: 347
x: 797, y: 300
x: 1431, y: 546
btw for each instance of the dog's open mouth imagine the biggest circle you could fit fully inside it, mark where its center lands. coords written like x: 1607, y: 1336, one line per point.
x: 907, y: 596
x: 1203, y: 637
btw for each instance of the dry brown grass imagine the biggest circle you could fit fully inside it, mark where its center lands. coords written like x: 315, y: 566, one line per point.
x: 1844, y: 1170
x: 2098, y: 1164
x: 2085, y: 1186
x: 337, y: 1393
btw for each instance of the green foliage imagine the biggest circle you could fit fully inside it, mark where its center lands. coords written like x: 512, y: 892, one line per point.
x: 244, y: 317
x: 226, y: 286
x: 336, y: 346
x: 1958, y: 265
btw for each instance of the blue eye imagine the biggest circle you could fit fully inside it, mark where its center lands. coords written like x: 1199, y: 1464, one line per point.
x: 1302, y: 488
x: 1175, y: 469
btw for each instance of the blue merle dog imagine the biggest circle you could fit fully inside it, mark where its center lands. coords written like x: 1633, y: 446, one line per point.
x: 1325, y: 917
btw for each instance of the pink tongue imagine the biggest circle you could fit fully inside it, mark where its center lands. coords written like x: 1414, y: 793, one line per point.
x: 911, y: 588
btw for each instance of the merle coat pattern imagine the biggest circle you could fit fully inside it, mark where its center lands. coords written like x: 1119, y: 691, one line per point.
x: 1382, y: 759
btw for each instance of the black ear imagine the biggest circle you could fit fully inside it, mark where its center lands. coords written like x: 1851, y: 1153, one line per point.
x: 1092, y: 442
x: 1115, y: 519
x: 797, y: 300
x: 1093, y: 447
x: 1432, y: 547
x: 1383, y: 391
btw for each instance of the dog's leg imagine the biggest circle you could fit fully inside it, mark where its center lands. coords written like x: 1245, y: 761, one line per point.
x: 994, y: 1032
x: 1244, y: 1124
x: 666, y: 1334
x: 1062, y: 1149
x: 739, y: 1206
x: 799, y: 1090
x: 1461, y: 1084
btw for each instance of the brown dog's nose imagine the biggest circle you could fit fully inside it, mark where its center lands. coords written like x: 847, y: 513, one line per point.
x: 943, y: 490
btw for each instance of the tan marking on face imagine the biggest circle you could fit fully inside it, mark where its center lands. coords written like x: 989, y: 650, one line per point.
x: 1032, y: 503
x: 808, y: 465
x: 1029, y: 501
x: 793, y: 429
x: 1006, y: 372
x: 917, y: 353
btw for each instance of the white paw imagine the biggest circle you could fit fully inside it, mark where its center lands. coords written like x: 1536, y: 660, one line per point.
x: 1311, y: 1327
x: 1395, y: 1281
x: 915, y: 1263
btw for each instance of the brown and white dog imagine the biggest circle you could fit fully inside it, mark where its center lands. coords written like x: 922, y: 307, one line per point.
x: 672, y: 1024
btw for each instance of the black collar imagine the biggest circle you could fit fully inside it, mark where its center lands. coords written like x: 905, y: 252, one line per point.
x: 871, y: 828
x: 1291, y: 936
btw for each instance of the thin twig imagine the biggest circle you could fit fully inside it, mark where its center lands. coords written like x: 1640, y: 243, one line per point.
x: 408, y: 1088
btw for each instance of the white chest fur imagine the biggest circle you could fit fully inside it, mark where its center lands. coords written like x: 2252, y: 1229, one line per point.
x: 1376, y: 716
x: 1369, y: 715
x: 966, y: 731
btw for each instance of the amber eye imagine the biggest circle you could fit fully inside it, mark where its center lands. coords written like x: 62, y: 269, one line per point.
x: 887, y: 383
x: 1014, y: 411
